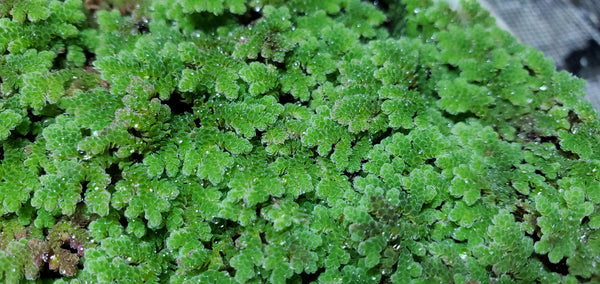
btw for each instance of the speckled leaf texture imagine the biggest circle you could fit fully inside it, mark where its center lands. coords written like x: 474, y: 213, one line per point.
x: 301, y: 141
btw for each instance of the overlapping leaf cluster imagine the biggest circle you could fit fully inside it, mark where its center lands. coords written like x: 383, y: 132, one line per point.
x: 257, y: 141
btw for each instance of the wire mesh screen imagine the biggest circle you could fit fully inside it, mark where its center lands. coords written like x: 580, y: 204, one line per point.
x: 566, y: 31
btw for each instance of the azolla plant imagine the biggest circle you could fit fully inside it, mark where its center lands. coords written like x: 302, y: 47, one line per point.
x: 334, y: 141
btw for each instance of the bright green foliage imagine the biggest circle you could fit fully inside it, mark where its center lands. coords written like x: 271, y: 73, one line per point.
x: 506, y: 235
x: 259, y: 77
x: 458, y: 96
x: 17, y: 180
x: 39, y: 24
x: 297, y: 83
x: 561, y: 224
x: 124, y: 259
x: 10, y: 120
x: 333, y: 141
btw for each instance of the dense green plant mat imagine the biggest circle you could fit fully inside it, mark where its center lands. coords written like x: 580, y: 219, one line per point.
x: 334, y: 141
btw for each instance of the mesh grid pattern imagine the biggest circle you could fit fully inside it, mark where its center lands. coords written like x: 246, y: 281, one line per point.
x: 556, y: 27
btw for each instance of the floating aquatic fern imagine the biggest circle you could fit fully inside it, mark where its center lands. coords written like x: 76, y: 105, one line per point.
x: 336, y: 141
